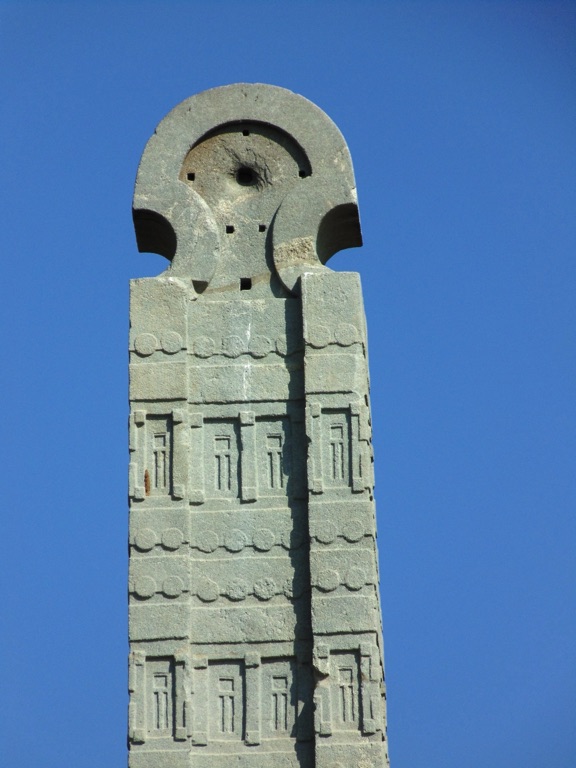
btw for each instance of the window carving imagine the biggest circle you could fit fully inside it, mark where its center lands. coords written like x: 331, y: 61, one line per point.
x: 228, y: 700
x: 345, y: 691
x: 160, y: 453
x: 223, y: 464
x: 279, y: 703
x: 337, y: 451
x: 273, y: 446
x: 336, y: 448
x: 275, y: 468
x: 160, y: 696
x: 161, y: 720
x: 221, y: 458
x: 158, y: 468
x: 279, y: 698
x: 347, y: 699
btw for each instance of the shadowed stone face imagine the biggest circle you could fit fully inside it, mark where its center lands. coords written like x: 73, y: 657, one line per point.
x: 254, y: 612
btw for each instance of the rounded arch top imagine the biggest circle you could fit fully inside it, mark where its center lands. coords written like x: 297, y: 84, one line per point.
x: 205, y: 113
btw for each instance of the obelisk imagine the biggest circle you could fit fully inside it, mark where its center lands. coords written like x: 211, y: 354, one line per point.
x: 255, y: 626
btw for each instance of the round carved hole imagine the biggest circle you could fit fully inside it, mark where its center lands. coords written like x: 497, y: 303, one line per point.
x: 246, y: 176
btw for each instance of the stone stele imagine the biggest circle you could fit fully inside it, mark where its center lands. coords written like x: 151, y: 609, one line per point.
x: 255, y: 626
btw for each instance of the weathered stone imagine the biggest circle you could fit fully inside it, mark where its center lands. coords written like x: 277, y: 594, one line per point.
x: 255, y: 623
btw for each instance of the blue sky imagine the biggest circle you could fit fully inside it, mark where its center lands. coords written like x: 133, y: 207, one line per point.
x: 461, y: 120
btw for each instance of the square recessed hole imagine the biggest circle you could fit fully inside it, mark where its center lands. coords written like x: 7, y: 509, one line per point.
x: 229, y: 229
x: 261, y: 227
x: 245, y: 133
x: 200, y: 285
x: 190, y: 176
x: 245, y: 283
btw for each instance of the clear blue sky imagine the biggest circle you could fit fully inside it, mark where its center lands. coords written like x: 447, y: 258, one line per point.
x: 461, y: 120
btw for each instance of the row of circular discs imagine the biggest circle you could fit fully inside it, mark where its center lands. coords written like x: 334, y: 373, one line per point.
x: 238, y: 589
x: 170, y: 342
x: 234, y: 540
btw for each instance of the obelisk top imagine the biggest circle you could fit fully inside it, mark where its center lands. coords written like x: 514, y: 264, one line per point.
x: 246, y: 182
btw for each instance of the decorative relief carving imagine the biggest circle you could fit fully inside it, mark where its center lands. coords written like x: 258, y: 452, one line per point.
x: 145, y: 586
x: 139, y: 418
x: 172, y: 538
x: 275, y: 464
x: 233, y: 346
x: 249, y: 475
x: 345, y: 690
x: 326, y: 531
x: 296, y: 585
x: 235, y: 540
x: 353, y: 531
x: 237, y: 589
x: 171, y: 342
x: 145, y: 539
x: 279, y: 708
x: 265, y: 588
x: 337, y: 459
x: 161, y: 456
x: 247, y: 699
x: 204, y: 347
x: 319, y: 336
x: 196, y: 492
x: 160, y: 698
x: 227, y: 700
x: 172, y: 586
x: 263, y: 539
x: 145, y: 344
x: 347, y: 696
x: 293, y: 539
x: 315, y: 458
x: 260, y: 346
x: 207, y: 590
x: 222, y: 464
x: 344, y: 334
x: 340, y: 453
x: 355, y: 578
x: 207, y: 541
x: 152, y: 468
x: 328, y: 580
x: 279, y: 698
x: 222, y: 457
x: 137, y: 704
x: 361, y: 458
x: 274, y: 448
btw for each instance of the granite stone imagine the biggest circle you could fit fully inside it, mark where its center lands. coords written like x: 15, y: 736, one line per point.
x: 254, y: 614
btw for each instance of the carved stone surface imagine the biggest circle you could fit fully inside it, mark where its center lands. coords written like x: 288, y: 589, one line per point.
x: 255, y: 625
